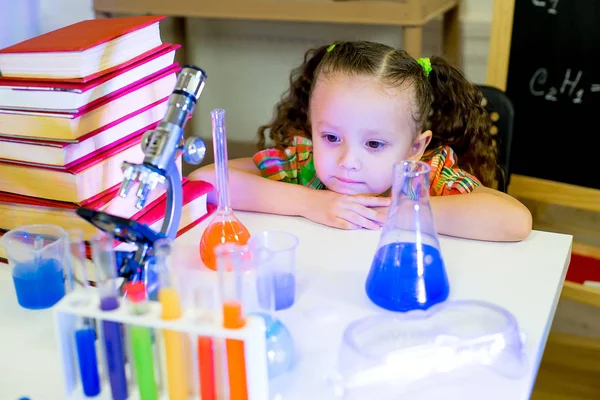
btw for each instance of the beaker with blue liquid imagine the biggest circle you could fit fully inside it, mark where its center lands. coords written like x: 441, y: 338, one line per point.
x: 407, y: 271
x: 273, y: 255
x: 36, y: 254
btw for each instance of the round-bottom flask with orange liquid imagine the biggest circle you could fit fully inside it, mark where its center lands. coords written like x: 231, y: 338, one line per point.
x: 225, y: 227
x: 225, y: 230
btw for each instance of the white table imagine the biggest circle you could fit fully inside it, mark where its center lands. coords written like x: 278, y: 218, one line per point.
x: 525, y: 278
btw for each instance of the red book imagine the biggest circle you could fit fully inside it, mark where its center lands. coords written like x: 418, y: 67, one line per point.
x: 72, y: 127
x: 73, y: 183
x: 195, y: 209
x: 59, y: 154
x: 81, y: 51
x: 16, y: 210
x: 584, y: 270
x: 67, y: 97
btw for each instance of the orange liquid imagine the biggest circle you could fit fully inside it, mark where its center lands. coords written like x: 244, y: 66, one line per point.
x: 218, y: 232
x: 236, y: 359
x: 207, y: 368
x: 236, y: 369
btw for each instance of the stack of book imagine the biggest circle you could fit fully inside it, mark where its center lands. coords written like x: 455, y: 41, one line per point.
x: 74, y: 104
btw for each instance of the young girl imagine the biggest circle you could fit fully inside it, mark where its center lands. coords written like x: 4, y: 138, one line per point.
x: 353, y: 110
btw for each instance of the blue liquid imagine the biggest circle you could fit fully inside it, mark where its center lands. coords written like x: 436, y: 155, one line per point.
x: 280, y: 346
x: 88, y: 362
x: 284, y: 285
x: 396, y: 283
x: 39, y: 285
x: 115, y: 356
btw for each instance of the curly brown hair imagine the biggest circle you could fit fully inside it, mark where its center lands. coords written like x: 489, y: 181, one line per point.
x: 445, y: 102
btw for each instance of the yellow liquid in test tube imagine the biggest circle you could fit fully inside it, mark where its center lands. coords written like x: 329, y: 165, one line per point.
x: 174, y: 346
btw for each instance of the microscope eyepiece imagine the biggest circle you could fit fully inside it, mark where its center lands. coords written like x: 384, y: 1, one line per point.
x: 191, y: 82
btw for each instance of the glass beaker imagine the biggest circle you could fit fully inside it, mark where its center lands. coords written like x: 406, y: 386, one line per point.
x: 276, y: 280
x: 36, y: 254
x: 224, y: 227
x: 408, y: 271
x: 273, y: 256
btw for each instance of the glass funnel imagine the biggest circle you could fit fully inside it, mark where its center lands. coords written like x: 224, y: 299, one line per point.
x: 408, y: 270
x: 225, y: 227
x: 428, y: 354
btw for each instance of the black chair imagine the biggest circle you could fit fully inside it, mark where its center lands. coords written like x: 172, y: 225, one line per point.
x: 502, y: 113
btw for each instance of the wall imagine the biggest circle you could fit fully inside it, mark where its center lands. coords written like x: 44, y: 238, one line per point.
x: 23, y: 19
x: 248, y: 62
x: 19, y: 20
x: 55, y: 14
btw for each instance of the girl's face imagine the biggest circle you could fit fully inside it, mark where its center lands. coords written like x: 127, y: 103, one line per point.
x: 359, y: 131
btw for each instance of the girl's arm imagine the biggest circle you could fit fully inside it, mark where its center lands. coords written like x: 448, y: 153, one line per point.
x: 249, y: 191
x: 484, y: 214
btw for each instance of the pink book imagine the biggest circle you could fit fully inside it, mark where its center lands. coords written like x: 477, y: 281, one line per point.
x: 195, y: 210
x: 83, y: 51
x: 60, y: 154
x: 85, y: 123
x: 66, y: 97
x: 18, y: 210
x: 75, y: 183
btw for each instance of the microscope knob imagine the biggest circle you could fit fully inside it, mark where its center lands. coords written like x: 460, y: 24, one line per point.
x: 146, y: 139
x: 194, y: 150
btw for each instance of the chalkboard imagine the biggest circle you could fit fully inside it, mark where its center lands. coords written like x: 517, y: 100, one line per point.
x: 554, y: 83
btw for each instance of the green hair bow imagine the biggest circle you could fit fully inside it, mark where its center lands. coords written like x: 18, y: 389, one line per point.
x: 425, y: 63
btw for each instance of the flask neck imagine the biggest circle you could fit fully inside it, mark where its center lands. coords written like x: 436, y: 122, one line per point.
x: 411, y: 183
x: 410, y: 211
x: 221, y: 168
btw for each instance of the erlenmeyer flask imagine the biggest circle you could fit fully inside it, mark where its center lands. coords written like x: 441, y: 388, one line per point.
x: 225, y: 227
x: 408, y: 271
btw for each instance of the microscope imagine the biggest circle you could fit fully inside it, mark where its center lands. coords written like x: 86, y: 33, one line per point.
x: 162, y: 146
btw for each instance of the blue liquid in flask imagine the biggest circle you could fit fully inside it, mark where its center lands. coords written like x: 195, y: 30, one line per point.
x: 407, y: 271
x: 399, y: 282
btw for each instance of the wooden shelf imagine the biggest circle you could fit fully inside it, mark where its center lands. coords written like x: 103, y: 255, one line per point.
x: 411, y: 15
x: 554, y: 192
x: 409, y: 12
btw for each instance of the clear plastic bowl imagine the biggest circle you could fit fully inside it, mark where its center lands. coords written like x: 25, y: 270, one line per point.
x: 382, y: 355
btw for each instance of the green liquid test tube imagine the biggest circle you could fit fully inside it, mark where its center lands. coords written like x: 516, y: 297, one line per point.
x: 141, y: 344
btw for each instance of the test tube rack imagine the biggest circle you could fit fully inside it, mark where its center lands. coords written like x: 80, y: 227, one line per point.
x: 75, y: 306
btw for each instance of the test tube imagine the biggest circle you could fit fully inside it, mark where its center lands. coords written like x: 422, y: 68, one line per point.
x: 77, y: 277
x: 229, y: 265
x: 202, y: 299
x: 85, y: 338
x: 141, y: 342
x: 106, y: 269
x: 171, y: 310
x: 85, y: 334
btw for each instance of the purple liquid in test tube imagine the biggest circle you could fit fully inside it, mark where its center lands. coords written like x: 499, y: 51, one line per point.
x: 115, y: 356
x: 112, y: 332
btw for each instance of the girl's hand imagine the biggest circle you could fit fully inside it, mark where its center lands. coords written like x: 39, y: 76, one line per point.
x: 345, y: 211
x: 383, y: 210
